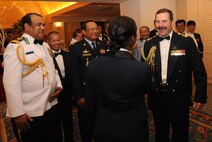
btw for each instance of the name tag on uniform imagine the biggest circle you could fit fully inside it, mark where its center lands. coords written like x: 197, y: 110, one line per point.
x: 178, y: 52
x: 30, y: 52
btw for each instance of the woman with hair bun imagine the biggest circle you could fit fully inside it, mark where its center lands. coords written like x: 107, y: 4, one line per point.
x: 115, y: 88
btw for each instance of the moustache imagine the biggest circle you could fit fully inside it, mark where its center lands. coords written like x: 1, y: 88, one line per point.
x: 162, y: 28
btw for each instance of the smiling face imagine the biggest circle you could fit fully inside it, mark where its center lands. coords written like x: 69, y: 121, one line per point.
x: 180, y: 27
x: 36, y: 29
x: 91, y: 32
x: 144, y: 32
x: 163, y: 24
x: 54, y: 41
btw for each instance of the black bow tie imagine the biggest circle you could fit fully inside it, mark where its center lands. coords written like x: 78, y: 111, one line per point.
x: 162, y: 38
x: 38, y: 41
x: 57, y: 53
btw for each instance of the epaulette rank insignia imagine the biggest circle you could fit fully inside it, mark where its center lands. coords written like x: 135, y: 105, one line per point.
x: 86, y: 53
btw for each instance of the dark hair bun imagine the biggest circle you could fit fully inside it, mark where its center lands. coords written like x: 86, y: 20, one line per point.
x: 120, y: 30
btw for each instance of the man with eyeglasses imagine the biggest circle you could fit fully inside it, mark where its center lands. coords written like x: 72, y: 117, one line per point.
x: 31, y: 83
x: 81, y: 54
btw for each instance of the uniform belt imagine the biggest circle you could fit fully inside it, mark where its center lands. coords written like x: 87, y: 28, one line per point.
x: 164, y: 87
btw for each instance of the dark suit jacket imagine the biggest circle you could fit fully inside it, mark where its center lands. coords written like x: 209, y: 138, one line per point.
x: 81, y: 54
x: 180, y: 68
x: 66, y: 95
x: 115, y: 89
x: 199, y: 43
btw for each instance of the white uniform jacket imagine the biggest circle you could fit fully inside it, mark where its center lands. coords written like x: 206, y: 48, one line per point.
x: 29, y: 94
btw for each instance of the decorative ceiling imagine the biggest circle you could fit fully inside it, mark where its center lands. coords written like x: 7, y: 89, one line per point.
x: 11, y: 11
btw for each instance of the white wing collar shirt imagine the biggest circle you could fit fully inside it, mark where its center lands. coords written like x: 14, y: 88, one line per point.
x: 60, y: 62
x: 164, y: 52
x: 29, y: 94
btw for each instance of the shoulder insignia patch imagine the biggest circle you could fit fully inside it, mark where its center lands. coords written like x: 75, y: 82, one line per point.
x: 26, y: 40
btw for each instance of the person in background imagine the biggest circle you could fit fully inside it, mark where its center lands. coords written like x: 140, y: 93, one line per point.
x: 31, y: 83
x: 173, y: 58
x: 61, y: 60
x: 9, y: 37
x: 115, y: 87
x: 76, y: 36
x: 144, y: 35
x: 191, y: 26
x: 81, y: 54
x: 106, y: 38
x: 180, y: 26
x: 100, y: 36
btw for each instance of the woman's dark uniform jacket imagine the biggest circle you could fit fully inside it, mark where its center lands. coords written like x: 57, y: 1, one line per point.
x: 183, y: 59
x: 115, y: 91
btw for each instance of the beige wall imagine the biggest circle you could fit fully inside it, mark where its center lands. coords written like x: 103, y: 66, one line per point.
x: 199, y: 11
x: 143, y: 11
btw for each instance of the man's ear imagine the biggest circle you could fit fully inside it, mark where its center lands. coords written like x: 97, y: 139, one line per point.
x: 83, y: 32
x: 26, y: 27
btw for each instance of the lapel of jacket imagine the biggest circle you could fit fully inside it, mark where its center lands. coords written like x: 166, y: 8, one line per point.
x: 172, y: 59
x: 158, y: 58
x: 57, y: 67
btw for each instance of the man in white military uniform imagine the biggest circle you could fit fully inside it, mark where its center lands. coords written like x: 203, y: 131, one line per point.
x: 31, y: 83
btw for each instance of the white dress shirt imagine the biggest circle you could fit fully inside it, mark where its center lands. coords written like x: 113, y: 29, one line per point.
x: 164, y: 53
x: 60, y: 62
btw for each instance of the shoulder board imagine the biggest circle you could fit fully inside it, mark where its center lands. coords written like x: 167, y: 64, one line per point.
x: 17, y: 40
x: 149, y: 38
x: 73, y: 43
x: 20, y: 38
x: 185, y: 35
x: 76, y: 42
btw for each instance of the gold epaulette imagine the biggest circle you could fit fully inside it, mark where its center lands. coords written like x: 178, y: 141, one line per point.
x: 20, y: 38
x: 17, y: 40
x: 149, y: 38
x: 185, y: 35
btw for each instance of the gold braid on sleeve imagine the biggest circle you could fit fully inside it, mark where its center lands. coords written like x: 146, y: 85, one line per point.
x: 32, y: 65
x: 150, y: 57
